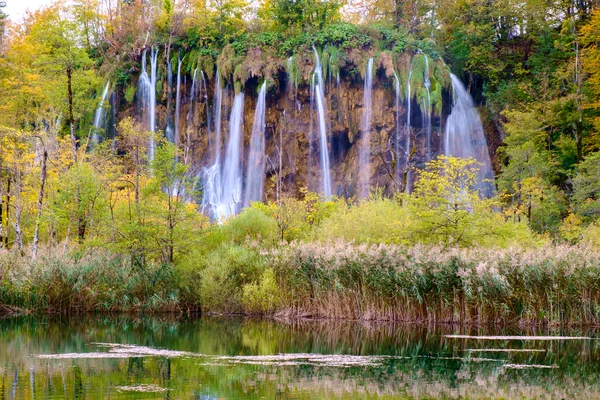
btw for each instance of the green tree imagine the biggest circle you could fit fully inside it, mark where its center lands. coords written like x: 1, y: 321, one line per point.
x: 63, y: 56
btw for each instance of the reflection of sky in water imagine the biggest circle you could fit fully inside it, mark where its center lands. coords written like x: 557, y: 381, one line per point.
x: 242, y: 359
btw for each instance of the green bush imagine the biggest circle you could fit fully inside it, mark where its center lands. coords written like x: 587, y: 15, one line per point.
x: 381, y: 220
x: 223, y: 274
x: 253, y: 225
x: 261, y: 297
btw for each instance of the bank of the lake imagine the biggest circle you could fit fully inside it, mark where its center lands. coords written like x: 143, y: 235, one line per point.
x: 551, y: 285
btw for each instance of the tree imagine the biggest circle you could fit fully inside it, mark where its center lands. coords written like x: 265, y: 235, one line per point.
x: 63, y: 55
x: 586, y: 188
x: 301, y: 15
x: 448, y: 206
x: 3, y: 18
x: 590, y: 39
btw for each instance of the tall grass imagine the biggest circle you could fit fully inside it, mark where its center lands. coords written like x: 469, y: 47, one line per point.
x: 552, y: 285
x: 97, y: 281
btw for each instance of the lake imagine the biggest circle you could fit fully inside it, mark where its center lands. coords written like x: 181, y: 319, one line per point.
x: 129, y: 357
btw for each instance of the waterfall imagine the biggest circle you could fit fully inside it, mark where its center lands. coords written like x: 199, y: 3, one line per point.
x: 232, y: 164
x: 407, y: 143
x: 177, y: 102
x: 427, y: 108
x: 256, y: 153
x: 204, y: 93
x: 317, y: 89
x: 364, y: 169
x: 193, y: 91
x: 147, y: 95
x: 465, y: 137
x: 211, y: 197
x: 401, y: 156
x: 169, y: 127
x: 99, y: 115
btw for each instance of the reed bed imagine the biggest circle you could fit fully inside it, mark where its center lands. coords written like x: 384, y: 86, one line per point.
x: 547, y: 286
x: 60, y: 282
x: 553, y: 285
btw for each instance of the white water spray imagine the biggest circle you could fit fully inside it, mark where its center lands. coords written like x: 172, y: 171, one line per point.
x: 465, y: 137
x: 317, y: 89
x: 99, y: 115
x: 364, y: 168
x: 255, y: 175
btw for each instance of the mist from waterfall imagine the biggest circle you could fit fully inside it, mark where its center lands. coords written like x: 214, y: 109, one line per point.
x: 147, y: 95
x: 364, y: 155
x: 465, y: 137
x: 255, y: 175
x: 318, y: 91
x: 232, y: 163
x: 99, y: 121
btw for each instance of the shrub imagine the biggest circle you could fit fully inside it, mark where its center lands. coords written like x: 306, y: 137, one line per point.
x: 379, y: 220
x: 261, y: 297
x: 223, y: 274
x: 252, y: 224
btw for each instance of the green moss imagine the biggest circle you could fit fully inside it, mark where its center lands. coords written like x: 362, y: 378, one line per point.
x: 130, y: 93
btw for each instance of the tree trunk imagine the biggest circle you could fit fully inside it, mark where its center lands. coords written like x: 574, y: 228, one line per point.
x: 71, y: 119
x: 36, y: 234
x: 18, y: 210
x: 7, y: 212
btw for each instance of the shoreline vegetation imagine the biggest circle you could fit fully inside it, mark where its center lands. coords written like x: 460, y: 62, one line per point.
x: 546, y: 286
x: 441, y: 254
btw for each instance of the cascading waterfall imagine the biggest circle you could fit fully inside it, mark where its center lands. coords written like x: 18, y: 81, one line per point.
x: 147, y: 95
x: 211, y: 198
x: 99, y: 122
x: 204, y: 94
x: 317, y: 88
x: 169, y: 127
x: 193, y: 92
x: 407, y: 141
x: 256, y: 153
x: 232, y: 164
x: 177, y: 102
x: 427, y: 108
x: 465, y: 137
x: 401, y: 155
x: 364, y: 168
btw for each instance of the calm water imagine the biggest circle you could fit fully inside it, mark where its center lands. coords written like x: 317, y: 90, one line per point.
x: 163, y: 358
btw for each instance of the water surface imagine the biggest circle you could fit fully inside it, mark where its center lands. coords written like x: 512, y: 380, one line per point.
x: 225, y: 358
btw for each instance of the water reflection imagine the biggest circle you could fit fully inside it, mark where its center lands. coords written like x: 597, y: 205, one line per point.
x: 224, y: 358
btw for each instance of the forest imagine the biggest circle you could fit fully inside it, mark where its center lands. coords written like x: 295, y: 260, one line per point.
x: 110, y: 131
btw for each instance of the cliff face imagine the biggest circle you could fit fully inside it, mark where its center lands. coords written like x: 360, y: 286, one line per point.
x: 292, y: 134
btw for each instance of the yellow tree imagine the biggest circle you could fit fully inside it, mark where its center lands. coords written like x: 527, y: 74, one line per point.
x: 590, y: 39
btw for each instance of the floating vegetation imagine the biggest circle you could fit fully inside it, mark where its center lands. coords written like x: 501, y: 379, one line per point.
x: 529, y: 366
x: 329, y: 360
x: 95, y: 355
x: 142, y: 389
x: 116, y: 348
x: 518, y: 337
x: 508, y: 350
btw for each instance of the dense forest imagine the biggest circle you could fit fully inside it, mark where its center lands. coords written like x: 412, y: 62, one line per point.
x: 92, y: 195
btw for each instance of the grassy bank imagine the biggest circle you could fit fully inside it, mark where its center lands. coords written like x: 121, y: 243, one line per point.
x: 552, y: 285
